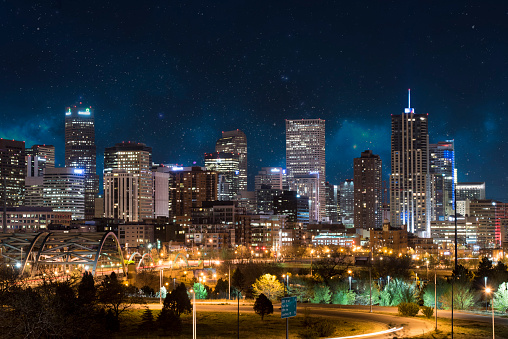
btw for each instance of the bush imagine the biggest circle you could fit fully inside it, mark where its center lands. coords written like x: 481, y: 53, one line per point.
x: 324, y: 328
x: 427, y: 311
x: 322, y: 295
x: 408, y: 309
x: 313, y: 328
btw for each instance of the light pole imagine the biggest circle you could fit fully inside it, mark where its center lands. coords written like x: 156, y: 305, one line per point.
x: 486, y: 302
x: 311, y: 253
x: 229, y: 282
x: 349, y: 272
x: 193, y: 314
x: 435, y: 294
x: 488, y: 291
x: 160, y: 286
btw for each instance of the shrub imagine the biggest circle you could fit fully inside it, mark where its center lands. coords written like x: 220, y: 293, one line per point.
x: 313, y: 328
x: 322, y: 295
x: 427, y: 311
x: 324, y: 328
x: 408, y: 309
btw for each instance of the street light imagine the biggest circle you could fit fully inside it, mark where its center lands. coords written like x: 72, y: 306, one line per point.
x: 193, y: 313
x: 349, y: 272
x: 488, y: 291
x: 311, y: 253
x: 486, y: 302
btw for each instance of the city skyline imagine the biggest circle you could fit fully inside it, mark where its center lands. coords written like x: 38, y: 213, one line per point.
x: 314, y: 63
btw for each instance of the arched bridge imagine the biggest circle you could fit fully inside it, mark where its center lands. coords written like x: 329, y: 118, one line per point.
x: 32, y: 253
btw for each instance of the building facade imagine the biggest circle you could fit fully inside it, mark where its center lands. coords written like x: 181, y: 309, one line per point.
x: 271, y: 176
x: 442, y: 167
x: 347, y: 203
x: 305, y: 155
x: 64, y: 190
x: 470, y: 190
x: 410, y: 182
x: 80, y: 151
x: 368, y: 191
x: 235, y: 142
x: 227, y: 166
x: 121, y: 195
x: 12, y: 172
x: 135, y: 158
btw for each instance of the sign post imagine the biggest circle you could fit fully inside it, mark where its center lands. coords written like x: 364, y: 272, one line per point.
x: 288, y: 310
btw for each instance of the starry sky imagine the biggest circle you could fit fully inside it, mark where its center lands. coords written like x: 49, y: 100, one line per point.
x: 174, y: 74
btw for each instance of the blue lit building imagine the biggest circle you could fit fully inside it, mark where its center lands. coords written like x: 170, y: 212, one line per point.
x: 442, y: 166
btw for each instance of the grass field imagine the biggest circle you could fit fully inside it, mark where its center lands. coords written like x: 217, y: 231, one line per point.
x: 224, y: 325
x: 463, y: 329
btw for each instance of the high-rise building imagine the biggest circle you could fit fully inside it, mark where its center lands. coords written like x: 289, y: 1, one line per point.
x: 347, y: 203
x: 293, y: 205
x: 135, y: 158
x: 272, y: 176
x: 308, y: 186
x: 264, y: 198
x: 64, y: 190
x: 227, y: 166
x: 492, y: 219
x: 442, y: 166
x: 332, y: 202
x: 235, y: 142
x: 189, y: 187
x: 13, y: 172
x: 470, y: 190
x: 38, y: 157
x: 410, y: 182
x: 368, y: 191
x: 121, y: 195
x: 80, y: 151
x: 305, y: 155
x: 160, y: 193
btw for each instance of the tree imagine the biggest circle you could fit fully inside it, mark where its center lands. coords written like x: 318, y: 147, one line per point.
x: 269, y: 286
x: 263, y: 306
x: 342, y: 295
x: 396, y: 292
x: 463, y: 297
x: 329, y: 267
x: 147, y: 322
x: 428, y: 293
x: 86, y: 289
x: 395, y: 267
x: 322, y: 295
x: 178, y: 300
x: 168, y: 318
x: 462, y: 274
x: 113, y: 295
x: 238, y: 279
x: 501, y: 298
x: 200, y: 291
x: 221, y: 288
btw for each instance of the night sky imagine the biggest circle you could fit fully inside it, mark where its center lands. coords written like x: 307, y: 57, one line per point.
x: 174, y: 74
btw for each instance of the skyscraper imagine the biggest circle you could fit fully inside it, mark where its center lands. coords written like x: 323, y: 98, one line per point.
x: 64, y: 190
x: 80, y: 151
x: 135, y: 158
x: 305, y: 155
x: 410, y: 180
x: 227, y: 166
x: 189, y: 187
x: 272, y: 176
x: 13, y: 172
x: 235, y: 142
x: 471, y: 190
x: 121, y: 195
x: 347, y: 203
x: 367, y: 186
x: 442, y: 166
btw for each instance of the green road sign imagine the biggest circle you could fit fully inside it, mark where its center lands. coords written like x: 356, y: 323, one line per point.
x: 288, y: 307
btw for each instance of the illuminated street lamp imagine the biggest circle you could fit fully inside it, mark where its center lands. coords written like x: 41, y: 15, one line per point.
x: 488, y: 290
x: 311, y: 253
x: 349, y: 272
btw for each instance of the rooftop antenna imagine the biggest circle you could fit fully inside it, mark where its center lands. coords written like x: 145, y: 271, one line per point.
x: 409, y: 97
